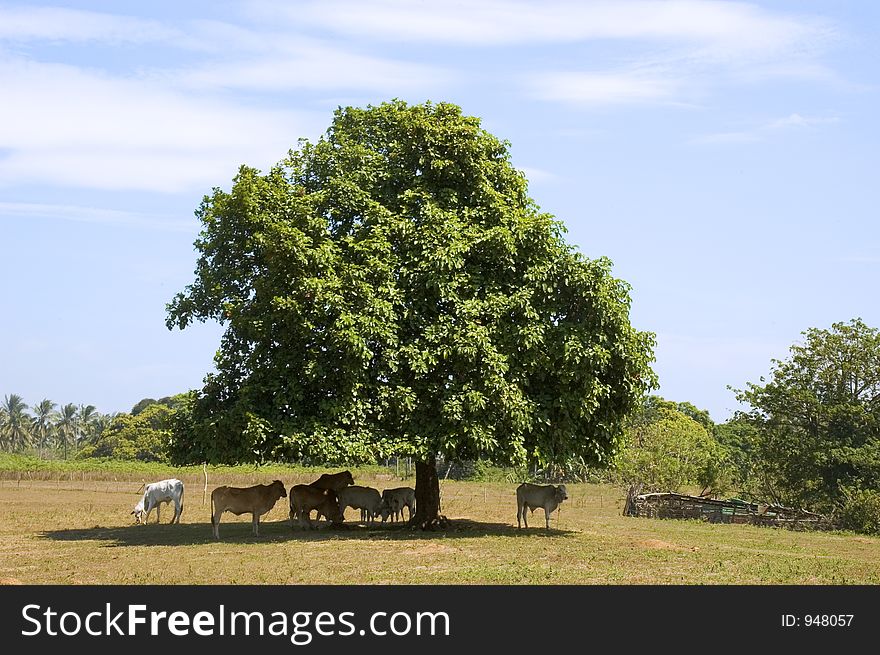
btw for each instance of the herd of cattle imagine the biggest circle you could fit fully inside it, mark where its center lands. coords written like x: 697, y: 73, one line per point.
x: 328, y: 496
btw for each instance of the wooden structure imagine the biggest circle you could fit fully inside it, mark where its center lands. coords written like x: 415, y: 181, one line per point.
x: 733, y: 510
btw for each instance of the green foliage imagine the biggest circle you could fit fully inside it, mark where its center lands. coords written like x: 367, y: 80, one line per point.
x: 738, y: 436
x: 667, y: 449
x: 392, y: 289
x: 859, y: 510
x: 145, y: 436
x: 141, y: 405
x: 818, y: 418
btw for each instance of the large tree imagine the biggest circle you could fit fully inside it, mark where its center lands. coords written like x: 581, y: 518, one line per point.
x: 818, y: 417
x: 393, y: 289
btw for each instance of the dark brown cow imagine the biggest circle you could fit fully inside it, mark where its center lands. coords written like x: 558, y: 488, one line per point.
x: 256, y: 500
x: 334, y: 481
x: 304, y: 498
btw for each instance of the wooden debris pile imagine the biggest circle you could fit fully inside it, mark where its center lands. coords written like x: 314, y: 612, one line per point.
x: 733, y: 510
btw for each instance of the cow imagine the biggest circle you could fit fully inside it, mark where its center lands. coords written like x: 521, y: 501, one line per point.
x: 304, y: 498
x: 256, y: 500
x: 156, y: 493
x: 366, y: 499
x: 394, y: 500
x: 334, y: 481
x: 533, y: 496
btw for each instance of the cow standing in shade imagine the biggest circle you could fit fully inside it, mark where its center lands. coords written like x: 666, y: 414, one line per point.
x: 304, y: 498
x: 156, y: 493
x: 256, y: 500
x: 335, y: 481
x: 532, y: 496
x: 366, y: 499
x: 394, y: 500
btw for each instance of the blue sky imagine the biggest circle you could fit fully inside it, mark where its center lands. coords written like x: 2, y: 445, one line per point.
x: 724, y: 155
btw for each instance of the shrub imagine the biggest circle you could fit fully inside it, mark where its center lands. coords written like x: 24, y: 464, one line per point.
x: 859, y: 510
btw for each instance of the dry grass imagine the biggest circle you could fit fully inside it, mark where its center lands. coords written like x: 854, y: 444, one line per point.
x: 79, y: 531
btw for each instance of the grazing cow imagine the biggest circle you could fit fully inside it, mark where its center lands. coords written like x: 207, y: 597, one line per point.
x: 256, y: 500
x: 165, y: 491
x: 366, y: 499
x: 304, y: 498
x: 334, y: 481
x: 394, y: 500
x: 533, y: 496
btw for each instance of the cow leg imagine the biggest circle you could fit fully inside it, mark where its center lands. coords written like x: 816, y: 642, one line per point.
x: 547, y: 517
x: 256, y: 522
x: 215, y: 525
x: 158, y: 514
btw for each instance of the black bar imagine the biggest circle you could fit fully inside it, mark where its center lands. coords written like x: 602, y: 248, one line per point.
x: 514, y: 619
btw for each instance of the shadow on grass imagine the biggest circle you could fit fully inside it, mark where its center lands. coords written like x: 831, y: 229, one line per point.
x: 280, y: 531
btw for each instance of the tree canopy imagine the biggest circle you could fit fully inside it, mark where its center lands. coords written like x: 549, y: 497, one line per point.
x: 393, y: 289
x: 818, y: 417
x: 669, y: 445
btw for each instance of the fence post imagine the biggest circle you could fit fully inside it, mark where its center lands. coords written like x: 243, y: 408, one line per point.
x: 205, y: 489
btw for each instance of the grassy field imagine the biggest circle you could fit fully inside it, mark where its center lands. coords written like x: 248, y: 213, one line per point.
x: 73, y: 526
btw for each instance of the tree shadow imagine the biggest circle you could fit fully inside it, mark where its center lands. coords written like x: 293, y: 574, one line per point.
x: 187, y: 534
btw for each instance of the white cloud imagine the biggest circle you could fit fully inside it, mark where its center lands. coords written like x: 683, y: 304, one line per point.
x: 20, y: 24
x: 731, y: 25
x: 584, y: 88
x: 761, y: 132
x: 308, y: 64
x: 64, y: 125
x: 82, y: 214
x: 796, y: 121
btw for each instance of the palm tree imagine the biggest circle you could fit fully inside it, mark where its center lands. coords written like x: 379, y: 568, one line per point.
x: 3, y: 422
x: 42, y: 426
x: 100, y: 423
x: 66, y: 426
x: 86, y: 417
x: 17, y: 423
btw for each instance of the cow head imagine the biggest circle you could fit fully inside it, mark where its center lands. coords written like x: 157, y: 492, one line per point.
x: 560, y: 493
x: 279, y: 485
x: 330, y: 507
x: 139, y: 512
x: 349, y: 480
x: 385, y: 510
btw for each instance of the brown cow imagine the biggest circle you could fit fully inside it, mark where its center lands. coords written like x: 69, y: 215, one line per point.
x: 304, y: 498
x: 334, y: 481
x: 256, y: 500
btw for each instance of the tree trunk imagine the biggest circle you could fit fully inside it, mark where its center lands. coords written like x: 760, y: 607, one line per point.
x: 428, y: 515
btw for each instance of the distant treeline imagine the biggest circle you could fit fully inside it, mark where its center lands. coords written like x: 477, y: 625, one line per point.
x: 71, y: 431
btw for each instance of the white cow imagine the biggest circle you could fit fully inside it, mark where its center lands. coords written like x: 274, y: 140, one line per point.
x: 165, y: 491
x: 366, y: 499
x: 394, y: 500
x: 533, y: 496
